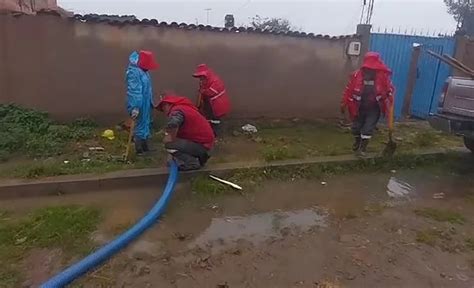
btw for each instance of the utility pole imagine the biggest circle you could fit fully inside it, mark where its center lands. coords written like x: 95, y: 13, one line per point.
x: 208, y: 12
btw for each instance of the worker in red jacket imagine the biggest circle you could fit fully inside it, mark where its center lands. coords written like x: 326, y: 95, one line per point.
x: 213, y: 100
x: 368, y: 95
x: 188, y: 135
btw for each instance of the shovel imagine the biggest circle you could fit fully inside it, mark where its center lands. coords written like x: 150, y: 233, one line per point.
x: 391, y: 145
x: 129, y: 142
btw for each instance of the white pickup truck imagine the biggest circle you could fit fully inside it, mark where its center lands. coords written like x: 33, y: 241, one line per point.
x: 456, y: 109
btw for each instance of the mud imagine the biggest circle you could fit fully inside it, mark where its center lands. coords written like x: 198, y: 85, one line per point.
x: 353, y: 231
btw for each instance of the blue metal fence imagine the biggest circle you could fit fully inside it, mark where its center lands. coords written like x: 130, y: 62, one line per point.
x: 396, y: 51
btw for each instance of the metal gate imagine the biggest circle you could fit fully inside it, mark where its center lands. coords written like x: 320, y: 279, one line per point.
x: 396, y: 51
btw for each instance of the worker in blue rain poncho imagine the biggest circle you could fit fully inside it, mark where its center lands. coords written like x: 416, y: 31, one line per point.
x: 140, y: 97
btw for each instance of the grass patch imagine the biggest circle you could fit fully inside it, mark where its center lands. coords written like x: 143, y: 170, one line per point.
x: 272, y: 153
x: 64, y: 227
x: 441, y: 215
x: 205, y: 186
x: 425, y: 139
x: 428, y: 237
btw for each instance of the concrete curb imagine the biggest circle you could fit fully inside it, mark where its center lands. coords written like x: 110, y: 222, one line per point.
x: 123, y: 179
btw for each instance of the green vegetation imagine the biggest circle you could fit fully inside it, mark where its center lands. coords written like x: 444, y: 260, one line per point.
x: 31, y: 132
x: 205, y: 186
x: 428, y: 237
x: 33, y: 146
x: 441, y: 215
x: 470, y: 243
x: 66, y: 227
x: 303, y: 140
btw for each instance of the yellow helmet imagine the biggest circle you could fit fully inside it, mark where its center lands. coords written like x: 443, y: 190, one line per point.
x: 109, y: 134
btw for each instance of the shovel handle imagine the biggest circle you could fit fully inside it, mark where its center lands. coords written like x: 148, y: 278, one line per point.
x: 390, y: 117
x: 130, y: 136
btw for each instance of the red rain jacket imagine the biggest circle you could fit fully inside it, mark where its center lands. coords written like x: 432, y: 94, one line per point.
x: 195, y: 127
x: 213, y: 89
x: 383, y: 86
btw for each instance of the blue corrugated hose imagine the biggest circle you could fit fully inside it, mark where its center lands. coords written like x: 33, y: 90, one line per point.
x: 107, y: 251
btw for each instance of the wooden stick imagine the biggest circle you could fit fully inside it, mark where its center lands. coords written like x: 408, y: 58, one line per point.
x: 129, y: 142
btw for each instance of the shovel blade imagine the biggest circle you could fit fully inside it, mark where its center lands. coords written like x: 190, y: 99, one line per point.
x: 390, y: 149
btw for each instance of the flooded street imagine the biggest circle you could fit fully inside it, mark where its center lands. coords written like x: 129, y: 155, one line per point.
x: 358, y: 230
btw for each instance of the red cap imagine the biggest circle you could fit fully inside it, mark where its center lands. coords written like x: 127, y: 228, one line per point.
x: 146, y: 60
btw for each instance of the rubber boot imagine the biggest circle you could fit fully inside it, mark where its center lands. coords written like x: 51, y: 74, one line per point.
x: 139, y: 147
x: 147, y: 147
x: 362, y: 152
x: 356, y: 145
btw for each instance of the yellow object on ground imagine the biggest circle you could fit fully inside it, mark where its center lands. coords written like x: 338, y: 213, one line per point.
x: 109, y: 134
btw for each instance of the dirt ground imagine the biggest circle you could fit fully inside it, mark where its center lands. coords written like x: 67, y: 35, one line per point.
x: 402, y: 229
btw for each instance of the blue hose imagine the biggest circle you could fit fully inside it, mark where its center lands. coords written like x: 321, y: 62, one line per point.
x: 107, y: 251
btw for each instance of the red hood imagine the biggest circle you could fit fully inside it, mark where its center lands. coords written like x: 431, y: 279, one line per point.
x: 373, y: 61
x: 174, y: 100
x: 203, y: 70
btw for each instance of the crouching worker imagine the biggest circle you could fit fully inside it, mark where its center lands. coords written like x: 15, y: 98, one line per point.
x: 368, y: 95
x: 139, y: 97
x: 189, y: 136
x: 213, y: 100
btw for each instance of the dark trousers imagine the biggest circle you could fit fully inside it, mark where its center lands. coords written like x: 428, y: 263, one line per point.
x: 213, y: 120
x: 189, y: 155
x: 365, y: 123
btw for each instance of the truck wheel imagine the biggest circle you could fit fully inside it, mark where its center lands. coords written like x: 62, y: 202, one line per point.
x: 469, y: 143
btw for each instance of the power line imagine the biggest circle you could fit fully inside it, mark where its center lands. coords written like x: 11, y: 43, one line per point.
x: 367, y: 11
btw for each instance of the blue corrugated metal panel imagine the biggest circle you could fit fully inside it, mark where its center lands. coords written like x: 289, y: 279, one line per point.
x: 396, y: 51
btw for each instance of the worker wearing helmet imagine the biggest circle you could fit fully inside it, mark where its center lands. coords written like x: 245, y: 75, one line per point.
x: 140, y: 97
x: 213, y: 100
x: 368, y: 95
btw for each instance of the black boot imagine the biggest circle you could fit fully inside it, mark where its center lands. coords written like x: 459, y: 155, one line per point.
x: 147, y: 147
x: 139, y: 151
x: 356, y: 145
x: 362, y: 152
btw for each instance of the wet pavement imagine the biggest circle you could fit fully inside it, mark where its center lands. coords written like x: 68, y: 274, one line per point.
x: 337, y: 226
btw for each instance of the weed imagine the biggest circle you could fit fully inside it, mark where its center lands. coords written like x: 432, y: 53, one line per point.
x: 470, y: 243
x: 351, y: 215
x: 441, y: 215
x: 31, y: 132
x: 272, y: 153
x: 425, y: 139
x: 204, y: 186
x: 428, y: 237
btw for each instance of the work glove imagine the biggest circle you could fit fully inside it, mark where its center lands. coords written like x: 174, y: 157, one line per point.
x: 134, y: 113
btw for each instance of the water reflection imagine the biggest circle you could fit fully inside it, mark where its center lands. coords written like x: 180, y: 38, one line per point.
x: 258, y: 228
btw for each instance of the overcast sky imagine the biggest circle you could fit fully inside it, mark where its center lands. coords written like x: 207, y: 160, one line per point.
x: 334, y: 17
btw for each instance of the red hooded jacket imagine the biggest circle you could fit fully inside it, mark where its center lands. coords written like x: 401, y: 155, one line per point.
x: 195, y: 127
x: 213, y: 89
x: 383, y: 86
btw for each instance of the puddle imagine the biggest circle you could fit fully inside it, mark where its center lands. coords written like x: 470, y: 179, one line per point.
x: 398, y: 189
x: 256, y: 229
